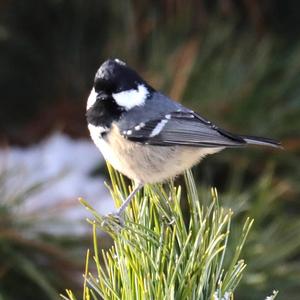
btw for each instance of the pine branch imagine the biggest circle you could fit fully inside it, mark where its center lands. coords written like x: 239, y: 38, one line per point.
x: 160, y: 254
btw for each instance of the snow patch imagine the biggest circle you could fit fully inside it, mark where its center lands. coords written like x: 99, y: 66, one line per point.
x: 63, y: 166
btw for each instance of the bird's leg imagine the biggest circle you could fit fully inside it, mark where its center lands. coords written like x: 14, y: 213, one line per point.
x: 117, y: 216
x: 128, y: 200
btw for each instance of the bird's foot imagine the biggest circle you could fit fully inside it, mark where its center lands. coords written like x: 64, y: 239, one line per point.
x: 113, y: 221
x: 117, y: 218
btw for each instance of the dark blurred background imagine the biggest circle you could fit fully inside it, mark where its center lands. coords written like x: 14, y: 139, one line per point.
x: 235, y: 62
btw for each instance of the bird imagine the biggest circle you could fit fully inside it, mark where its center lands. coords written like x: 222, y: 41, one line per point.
x: 147, y: 136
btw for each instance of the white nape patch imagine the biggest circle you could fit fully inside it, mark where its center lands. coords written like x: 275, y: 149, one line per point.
x: 91, y: 99
x: 120, y: 62
x: 129, y: 132
x: 129, y: 99
x: 158, y: 128
x: 96, y: 132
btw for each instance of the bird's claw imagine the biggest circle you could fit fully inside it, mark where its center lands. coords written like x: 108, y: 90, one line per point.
x: 113, y: 221
x: 117, y: 218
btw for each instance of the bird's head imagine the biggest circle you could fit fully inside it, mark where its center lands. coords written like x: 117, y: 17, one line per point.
x: 115, y: 81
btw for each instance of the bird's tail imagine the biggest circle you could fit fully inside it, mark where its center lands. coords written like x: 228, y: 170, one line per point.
x: 255, y: 140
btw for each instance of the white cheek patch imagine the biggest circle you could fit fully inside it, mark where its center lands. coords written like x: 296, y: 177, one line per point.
x: 91, y: 99
x: 96, y: 132
x: 158, y: 128
x: 129, y: 99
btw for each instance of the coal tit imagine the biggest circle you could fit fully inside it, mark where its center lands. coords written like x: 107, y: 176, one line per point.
x: 146, y: 135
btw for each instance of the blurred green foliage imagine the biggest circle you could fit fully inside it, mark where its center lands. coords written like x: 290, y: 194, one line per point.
x: 272, y: 251
x: 235, y: 62
x: 34, y: 263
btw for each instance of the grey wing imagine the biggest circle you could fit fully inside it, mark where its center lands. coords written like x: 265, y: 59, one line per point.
x: 181, y: 128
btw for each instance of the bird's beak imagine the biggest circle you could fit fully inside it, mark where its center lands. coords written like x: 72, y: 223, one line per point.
x: 101, y: 96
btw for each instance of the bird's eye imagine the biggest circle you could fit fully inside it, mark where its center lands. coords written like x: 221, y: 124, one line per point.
x: 119, y: 89
x: 105, y: 86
